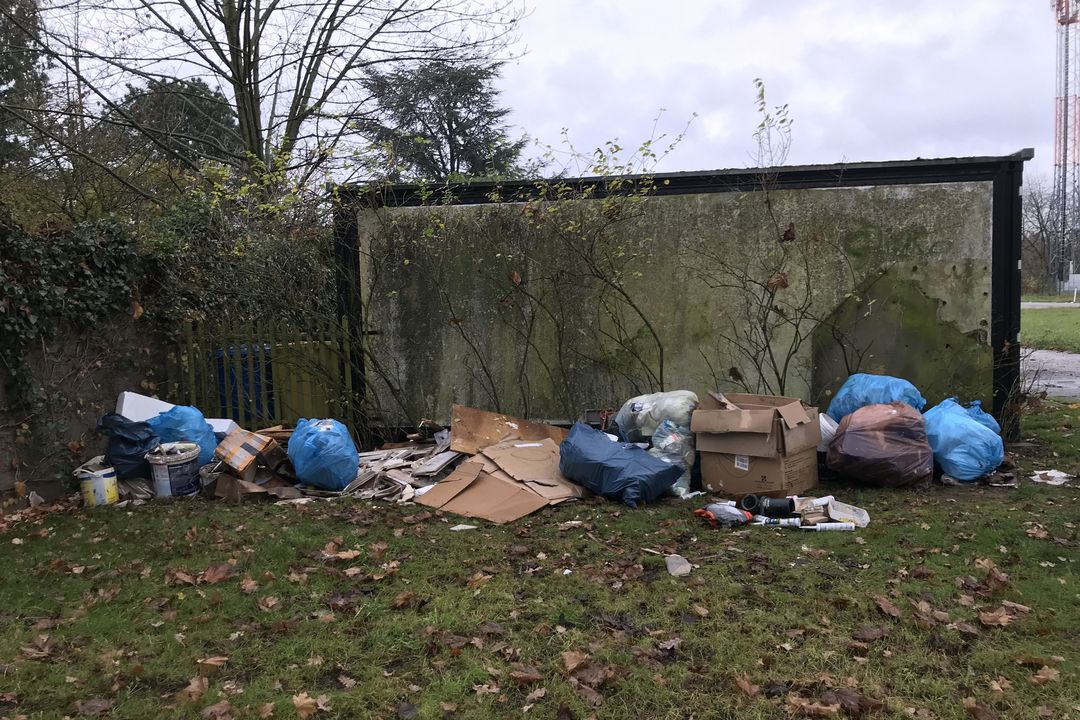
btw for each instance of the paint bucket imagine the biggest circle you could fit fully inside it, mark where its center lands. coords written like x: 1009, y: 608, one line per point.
x: 175, y: 468
x: 97, y: 481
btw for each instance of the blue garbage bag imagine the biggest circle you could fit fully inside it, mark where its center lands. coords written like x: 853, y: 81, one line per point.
x: 129, y: 441
x: 614, y: 470
x: 862, y: 389
x: 323, y: 454
x: 184, y: 423
x: 974, y: 409
x: 964, y: 448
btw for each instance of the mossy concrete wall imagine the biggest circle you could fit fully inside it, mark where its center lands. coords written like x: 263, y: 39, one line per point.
x: 546, y: 309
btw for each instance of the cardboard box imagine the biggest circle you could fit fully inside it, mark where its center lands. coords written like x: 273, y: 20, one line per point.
x: 736, y: 475
x: 244, y: 451
x: 761, y: 426
x: 472, y: 430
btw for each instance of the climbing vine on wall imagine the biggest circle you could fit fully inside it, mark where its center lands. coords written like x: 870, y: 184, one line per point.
x: 55, y: 280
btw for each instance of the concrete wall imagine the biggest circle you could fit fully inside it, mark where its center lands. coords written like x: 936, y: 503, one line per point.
x: 545, y: 309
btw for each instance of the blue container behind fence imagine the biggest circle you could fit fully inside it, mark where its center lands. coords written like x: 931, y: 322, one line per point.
x: 245, y: 389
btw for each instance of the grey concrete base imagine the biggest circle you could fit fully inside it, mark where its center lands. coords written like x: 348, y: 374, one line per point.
x: 1058, y: 373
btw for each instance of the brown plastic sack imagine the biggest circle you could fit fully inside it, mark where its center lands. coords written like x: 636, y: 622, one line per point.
x: 883, y: 445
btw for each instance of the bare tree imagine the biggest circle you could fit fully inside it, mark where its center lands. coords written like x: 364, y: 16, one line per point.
x: 291, y: 70
x: 1041, y: 237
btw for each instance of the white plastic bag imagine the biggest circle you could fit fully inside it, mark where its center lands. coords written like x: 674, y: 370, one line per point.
x: 639, y: 417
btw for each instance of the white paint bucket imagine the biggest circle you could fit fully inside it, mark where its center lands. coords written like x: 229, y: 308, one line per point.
x: 97, y: 481
x: 175, y: 467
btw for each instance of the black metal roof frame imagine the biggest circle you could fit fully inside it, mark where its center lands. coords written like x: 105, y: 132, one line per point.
x: 1005, y: 172
x: 920, y: 171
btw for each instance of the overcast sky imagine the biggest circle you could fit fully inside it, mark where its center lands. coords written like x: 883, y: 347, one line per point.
x: 865, y: 79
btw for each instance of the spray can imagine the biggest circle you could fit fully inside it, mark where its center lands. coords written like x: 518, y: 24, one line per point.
x: 826, y: 527
x: 767, y: 506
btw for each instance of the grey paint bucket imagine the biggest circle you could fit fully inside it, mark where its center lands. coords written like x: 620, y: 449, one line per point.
x: 175, y: 467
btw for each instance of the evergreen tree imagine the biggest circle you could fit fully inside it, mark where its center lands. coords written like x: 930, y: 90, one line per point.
x: 438, y: 121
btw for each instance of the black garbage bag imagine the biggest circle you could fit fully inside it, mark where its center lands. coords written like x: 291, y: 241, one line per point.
x: 129, y: 442
x: 614, y: 470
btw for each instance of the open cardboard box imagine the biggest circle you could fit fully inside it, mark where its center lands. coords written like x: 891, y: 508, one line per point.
x: 757, y: 425
x: 760, y: 444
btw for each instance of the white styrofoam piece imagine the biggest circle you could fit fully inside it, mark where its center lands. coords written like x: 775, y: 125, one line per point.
x: 140, y: 408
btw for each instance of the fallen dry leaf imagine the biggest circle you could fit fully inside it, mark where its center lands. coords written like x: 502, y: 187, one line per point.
x: 885, y: 606
x: 305, y: 705
x: 41, y: 648
x: 967, y: 628
x: 999, y: 686
x: 477, y: 579
x: 217, y: 573
x: 525, y: 674
x: 266, y: 710
x: 1045, y: 674
x: 573, y: 659
x: 746, y: 687
x: 248, y: 584
x: 535, y: 695
x: 700, y: 611
x: 93, y: 707
x: 995, y: 618
x: 810, y: 708
x: 1023, y: 609
x: 590, y: 696
x: 593, y: 675
x: 195, y: 689
x: 486, y: 689
x: 268, y: 603
x: 869, y: 633
x: 405, y: 600
x: 217, y: 711
x: 978, y: 709
x: 211, y: 665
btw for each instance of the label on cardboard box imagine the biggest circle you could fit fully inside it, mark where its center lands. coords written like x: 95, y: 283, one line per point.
x: 742, y: 462
x: 775, y: 477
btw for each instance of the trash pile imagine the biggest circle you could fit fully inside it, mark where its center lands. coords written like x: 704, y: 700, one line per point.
x: 761, y: 453
x: 805, y: 513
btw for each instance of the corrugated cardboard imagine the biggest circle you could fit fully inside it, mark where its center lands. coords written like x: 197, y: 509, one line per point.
x: 535, y: 463
x: 736, y: 475
x: 242, y: 452
x: 471, y: 492
x: 755, y: 425
x: 471, y: 430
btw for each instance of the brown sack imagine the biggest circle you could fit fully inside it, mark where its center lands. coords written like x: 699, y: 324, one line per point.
x: 883, y: 445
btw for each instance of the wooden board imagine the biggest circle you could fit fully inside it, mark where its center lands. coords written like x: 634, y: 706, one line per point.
x: 472, y: 430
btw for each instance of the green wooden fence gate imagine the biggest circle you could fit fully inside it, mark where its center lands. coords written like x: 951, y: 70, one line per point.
x: 265, y: 373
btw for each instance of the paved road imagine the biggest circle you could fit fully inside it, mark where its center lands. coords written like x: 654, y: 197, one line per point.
x: 1047, y: 305
x: 1056, y: 372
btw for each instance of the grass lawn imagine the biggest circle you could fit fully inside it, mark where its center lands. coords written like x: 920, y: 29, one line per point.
x: 383, y: 612
x: 1057, y: 297
x: 1051, y: 329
